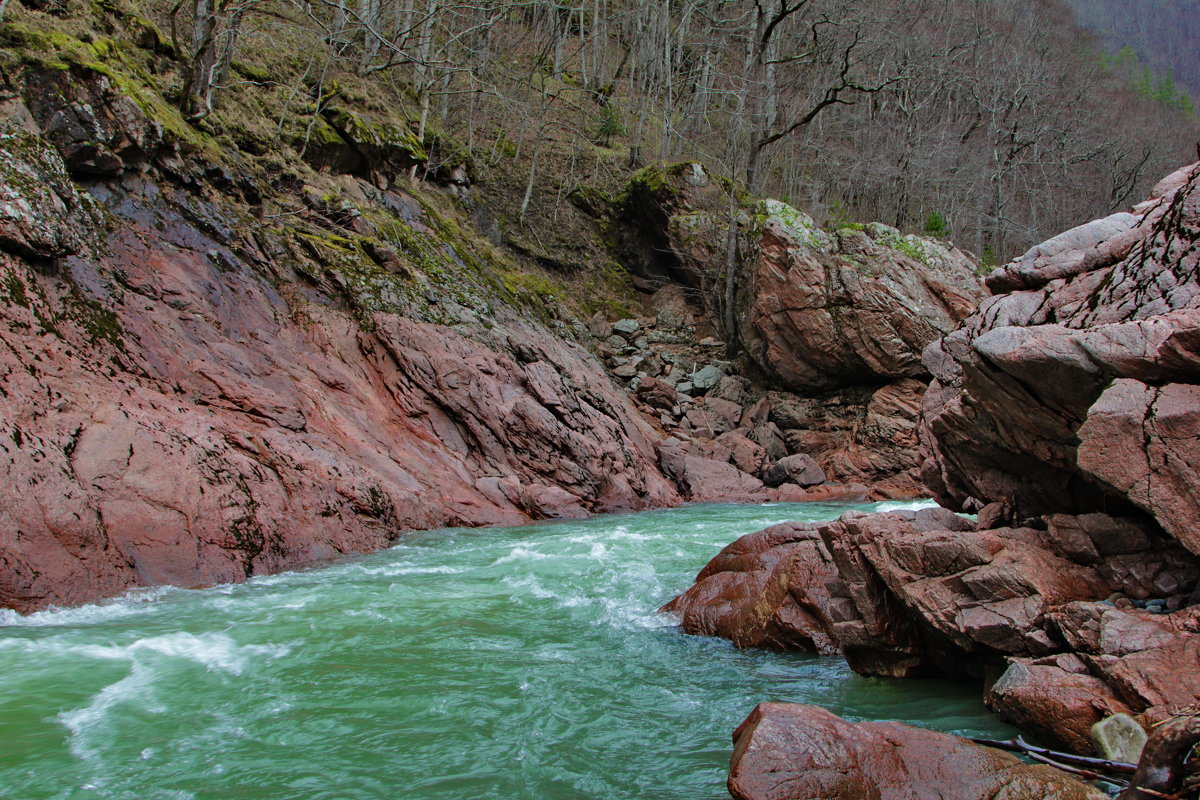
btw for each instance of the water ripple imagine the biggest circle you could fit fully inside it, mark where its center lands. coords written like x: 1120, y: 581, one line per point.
x: 506, y: 663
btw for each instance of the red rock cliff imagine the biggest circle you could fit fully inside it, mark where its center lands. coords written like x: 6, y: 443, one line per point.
x: 190, y: 394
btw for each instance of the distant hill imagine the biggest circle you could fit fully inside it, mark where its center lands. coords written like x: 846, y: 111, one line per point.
x: 1164, y: 33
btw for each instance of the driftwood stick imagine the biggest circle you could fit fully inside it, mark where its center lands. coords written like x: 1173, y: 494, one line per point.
x: 1019, y: 745
x: 1086, y: 774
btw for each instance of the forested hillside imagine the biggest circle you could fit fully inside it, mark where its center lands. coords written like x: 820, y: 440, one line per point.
x: 995, y: 123
x: 1163, y: 34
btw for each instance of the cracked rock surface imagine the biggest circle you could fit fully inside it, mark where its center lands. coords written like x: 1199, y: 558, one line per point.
x: 1074, y: 389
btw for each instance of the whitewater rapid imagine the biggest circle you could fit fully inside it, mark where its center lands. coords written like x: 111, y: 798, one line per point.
x: 509, y: 663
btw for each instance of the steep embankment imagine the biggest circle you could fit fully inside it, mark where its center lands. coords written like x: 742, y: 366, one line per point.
x: 1067, y: 404
x: 197, y: 387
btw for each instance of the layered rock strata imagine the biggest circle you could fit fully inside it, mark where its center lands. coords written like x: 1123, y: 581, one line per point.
x: 189, y: 395
x: 1074, y: 388
x: 909, y: 594
x: 1065, y: 413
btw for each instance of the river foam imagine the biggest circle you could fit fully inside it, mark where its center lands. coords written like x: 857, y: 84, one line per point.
x: 500, y: 664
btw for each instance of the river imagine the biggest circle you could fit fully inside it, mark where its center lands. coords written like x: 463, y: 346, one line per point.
x: 507, y: 663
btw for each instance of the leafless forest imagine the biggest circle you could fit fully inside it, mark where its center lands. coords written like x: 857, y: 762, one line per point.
x: 996, y: 123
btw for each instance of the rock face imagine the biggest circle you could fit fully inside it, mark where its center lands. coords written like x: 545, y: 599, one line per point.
x: 788, y: 751
x: 839, y: 321
x: 1074, y: 389
x: 189, y: 396
x: 745, y: 593
x: 856, y: 308
x: 908, y: 594
x: 1065, y: 413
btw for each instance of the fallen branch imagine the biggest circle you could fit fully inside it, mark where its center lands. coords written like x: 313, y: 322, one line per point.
x: 1086, y: 774
x: 1019, y: 745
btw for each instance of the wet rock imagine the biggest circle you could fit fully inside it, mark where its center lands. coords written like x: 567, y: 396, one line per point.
x: 743, y: 593
x: 921, y: 593
x: 785, y: 751
x: 1054, y: 698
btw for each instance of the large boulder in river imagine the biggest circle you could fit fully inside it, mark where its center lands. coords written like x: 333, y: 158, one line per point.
x: 1075, y: 388
x: 788, y: 751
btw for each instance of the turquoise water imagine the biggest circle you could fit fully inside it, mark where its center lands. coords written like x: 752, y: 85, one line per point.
x: 499, y: 663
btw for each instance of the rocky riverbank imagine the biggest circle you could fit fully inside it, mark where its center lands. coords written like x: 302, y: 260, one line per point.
x: 1064, y: 412
x: 222, y: 361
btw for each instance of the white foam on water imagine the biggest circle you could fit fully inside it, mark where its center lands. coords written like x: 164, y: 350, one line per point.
x: 623, y: 534
x: 627, y: 615
x: 138, y: 601
x: 396, y: 570
x: 598, y: 550
x: 531, y: 585
x: 520, y: 554
x: 368, y: 613
x: 136, y: 687
x: 906, y: 505
x: 213, y: 651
